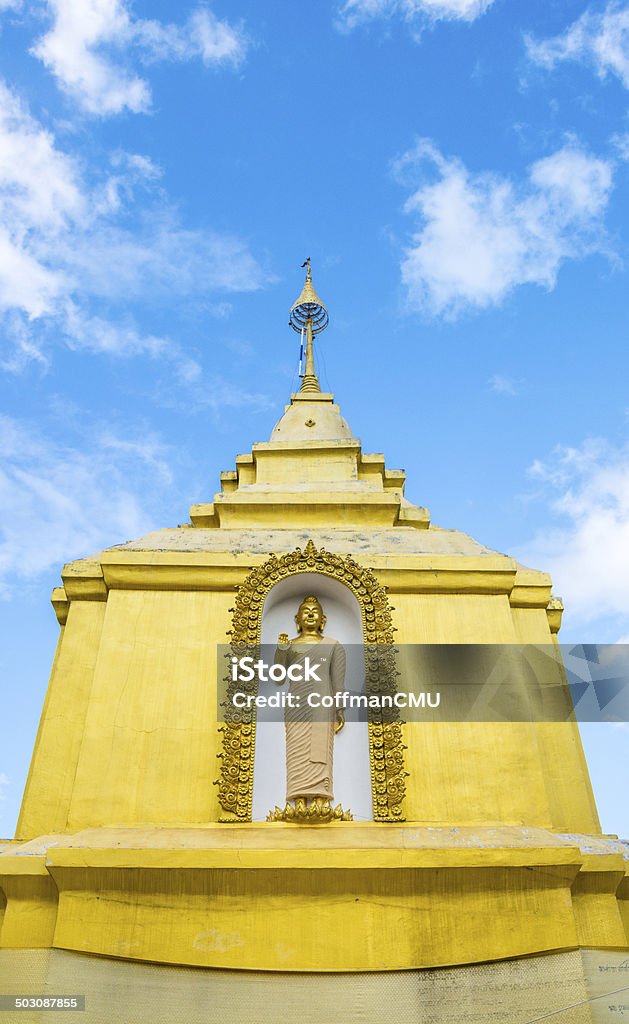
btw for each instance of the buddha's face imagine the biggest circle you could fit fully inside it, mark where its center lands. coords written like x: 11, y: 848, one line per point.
x: 310, y: 617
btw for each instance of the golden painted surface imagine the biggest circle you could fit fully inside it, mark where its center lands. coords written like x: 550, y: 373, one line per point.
x: 30, y: 901
x: 51, y: 779
x: 204, y: 896
x: 310, y: 812
x: 501, y: 855
x: 148, y: 747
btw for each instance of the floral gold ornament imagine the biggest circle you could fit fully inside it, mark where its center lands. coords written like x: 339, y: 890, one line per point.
x: 386, y: 749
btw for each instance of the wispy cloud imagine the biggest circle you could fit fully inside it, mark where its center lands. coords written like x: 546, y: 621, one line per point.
x: 214, y: 394
x: 5, y: 782
x: 621, y: 144
x: 61, y: 502
x: 92, y: 46
x: 597, y: 38
x: 69, y: 240
x: 226, y: 395
x: 482, y: 235
x: 355, y: 12
x: 586, y: 545
x: 503, y: 385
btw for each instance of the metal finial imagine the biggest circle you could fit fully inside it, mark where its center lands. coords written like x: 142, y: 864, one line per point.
x: 308, y: 315
x: 308, y: 307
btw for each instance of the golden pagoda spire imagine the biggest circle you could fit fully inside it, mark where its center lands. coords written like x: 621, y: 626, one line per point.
x: 308, y: 315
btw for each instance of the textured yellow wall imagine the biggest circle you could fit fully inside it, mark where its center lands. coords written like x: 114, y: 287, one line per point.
x: 517, y: 773
x: 31, y: 903
x: 128, y: 732
x: 322, y: 919
x: 300, y: 465
x: 452, y: 618
x: 568, y: 787
x: 150, y: 739
x: 458, y: 770
x: 53, y: 767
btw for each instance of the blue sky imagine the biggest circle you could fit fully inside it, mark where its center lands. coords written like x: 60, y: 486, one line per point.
x: 458, y: 170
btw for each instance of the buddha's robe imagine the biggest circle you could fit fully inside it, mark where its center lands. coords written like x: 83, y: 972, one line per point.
x: 310, y: 730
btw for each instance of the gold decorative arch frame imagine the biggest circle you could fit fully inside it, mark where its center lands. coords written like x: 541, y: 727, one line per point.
x: 386, y: 750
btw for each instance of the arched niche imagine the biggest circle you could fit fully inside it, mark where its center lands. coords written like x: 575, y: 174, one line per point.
x: 237, y: 754
x: 352, y: 775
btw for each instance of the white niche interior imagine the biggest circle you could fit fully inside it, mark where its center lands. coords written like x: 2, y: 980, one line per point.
x: 352, y: 781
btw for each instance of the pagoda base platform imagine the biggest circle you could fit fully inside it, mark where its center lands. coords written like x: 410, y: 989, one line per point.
x: 351, y: 897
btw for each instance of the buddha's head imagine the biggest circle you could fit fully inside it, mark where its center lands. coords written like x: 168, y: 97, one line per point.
x: 310, y: 617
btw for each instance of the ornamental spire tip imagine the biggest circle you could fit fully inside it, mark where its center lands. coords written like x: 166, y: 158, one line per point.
x: 310, y: 315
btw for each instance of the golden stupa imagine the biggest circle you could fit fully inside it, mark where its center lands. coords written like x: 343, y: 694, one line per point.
x: 473, y: 883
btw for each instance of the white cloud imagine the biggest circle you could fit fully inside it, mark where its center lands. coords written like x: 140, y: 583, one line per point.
x: 21, y: 348
x: 67, y: 243
x: 598, y: 38
x: 481, y: 235
x: 91, y: 44
x: 129, y: 171
x: 70, y: 51
x: 587, y: 549
x: 160, y: 255
x: 39, y: 188
x: 123, y: 339
x: 621, y: 142
x: 354, y: 12
x: 203, y: 35
x: 5, y: 782
x: 61, y: 502
x: 502, y: 385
